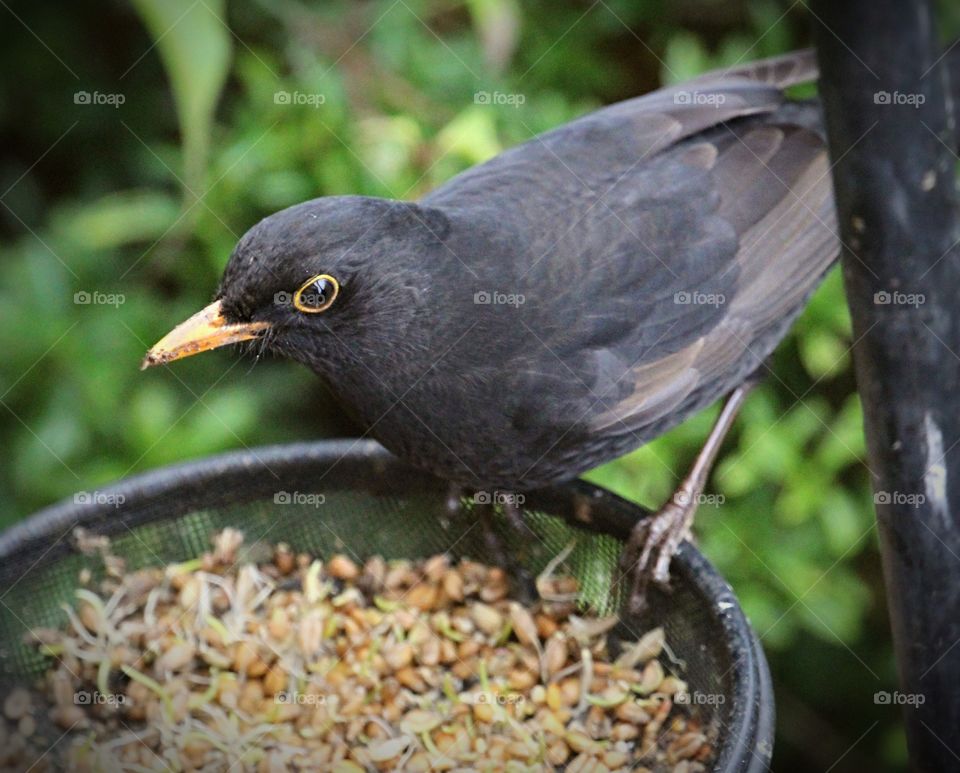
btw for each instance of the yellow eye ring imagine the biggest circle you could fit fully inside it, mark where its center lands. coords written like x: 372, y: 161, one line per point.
x: 316, y: 294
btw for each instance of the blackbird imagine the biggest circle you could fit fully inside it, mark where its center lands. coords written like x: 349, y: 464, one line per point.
x: 566, y: 301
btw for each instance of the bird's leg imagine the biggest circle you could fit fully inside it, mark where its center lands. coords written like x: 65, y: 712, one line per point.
x: 655, y: 539
x: 499, y: 553
x: 525, y: 585
x: 492, y: 542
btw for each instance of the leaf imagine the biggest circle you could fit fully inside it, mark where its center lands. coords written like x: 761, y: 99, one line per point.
x: 471, y: 135
x: 685, y: 57
x: 194, y: 44
x: 498, y: 24
x: 846, y: 520
x: 121, y: 218
x: 824, y: 353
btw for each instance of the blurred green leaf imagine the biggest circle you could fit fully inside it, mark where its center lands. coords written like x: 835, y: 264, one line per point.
x: 498, y: 23
x: 195, y: 44
x: 121, y: 218
x: 472, y: 135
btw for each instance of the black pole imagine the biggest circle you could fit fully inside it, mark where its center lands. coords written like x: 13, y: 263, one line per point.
x: 889, y: 127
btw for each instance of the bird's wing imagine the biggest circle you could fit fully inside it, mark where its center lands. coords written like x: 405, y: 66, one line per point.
x: 686, y: 275
x: 771, y: 187
x: 677, y: 235
x: 610, y: 140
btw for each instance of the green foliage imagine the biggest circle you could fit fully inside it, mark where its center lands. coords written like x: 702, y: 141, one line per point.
x: 393, y: 114
x: 194, y: 42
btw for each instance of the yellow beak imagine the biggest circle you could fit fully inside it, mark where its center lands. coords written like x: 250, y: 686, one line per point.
x: 205, y: 330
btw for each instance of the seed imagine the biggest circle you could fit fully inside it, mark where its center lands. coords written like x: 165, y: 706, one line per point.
x: 555, y: 654
x: 552, y: 722
x: 17, y: 704
x: 582, y: 763
x: 487, y: 619
x: 429, y: 654
x: 243, y: 656
x: 448, y: 744
x: 494, y: 591
x: 275, y: 680
x: 279, y: 625
x: 419, y: 634
x: 346, y: 766
x: 554, y: 696
x: 189, y: 593
x: 310, y: 634
x: 448, y: 651
x: 416, y: 722
x: 89, y: 616
x: 462, y: 669
x: 631, y: 712
x: 178, y: 656
x: 26, y: 726
x: 651, y: 679
x: 435, y: 567
x: 546, y: 626
x: 418, y: 763
x: 686, y: 746
x: 195, y: 749
x: 341, y: 567
x: 387, y: 750
x: 558, y: 753
x: 226, y: 544
x: 523, y: 625
x: 615, y: 759
x: 408, y: 677
x: 520, y: 750
x: 399, y: 656
x: 625, y: 732
x: 397, y: 576
x: 671, y: 686
x: 521, y: 680
x: 570, y: 690
x: 422, y: 596
x: 453, y: 585
x: 580, y: 742
x: 483, y: 712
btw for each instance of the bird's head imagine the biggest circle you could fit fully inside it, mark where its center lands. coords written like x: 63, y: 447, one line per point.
x: 320, y: 282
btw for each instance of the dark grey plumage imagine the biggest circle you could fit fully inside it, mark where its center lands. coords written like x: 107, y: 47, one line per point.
x: 716, y: 192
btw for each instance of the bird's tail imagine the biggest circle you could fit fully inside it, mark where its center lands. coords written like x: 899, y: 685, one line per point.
x: 781, y: 71
x: 800, y: 66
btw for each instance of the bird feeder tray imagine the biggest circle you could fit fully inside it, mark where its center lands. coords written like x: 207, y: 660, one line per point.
x: 354, y: 497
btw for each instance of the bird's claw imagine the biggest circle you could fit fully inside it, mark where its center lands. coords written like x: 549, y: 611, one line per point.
x: 509, y: 556
x: 651, y: 546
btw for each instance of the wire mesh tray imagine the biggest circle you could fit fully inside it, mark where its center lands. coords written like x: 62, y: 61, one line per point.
x: 352, y: 496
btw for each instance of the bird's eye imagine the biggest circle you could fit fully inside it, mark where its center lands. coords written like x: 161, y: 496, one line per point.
x: 316, y: 294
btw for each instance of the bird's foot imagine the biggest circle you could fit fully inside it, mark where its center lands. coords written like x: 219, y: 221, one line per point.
x: 523, y: 581
x: 651, y: 546
x: 509, y: 554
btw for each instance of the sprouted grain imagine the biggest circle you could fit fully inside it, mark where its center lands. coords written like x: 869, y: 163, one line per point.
x: 294, y: 663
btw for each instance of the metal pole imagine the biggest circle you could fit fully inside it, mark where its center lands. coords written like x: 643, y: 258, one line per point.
x: 891, y: 134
